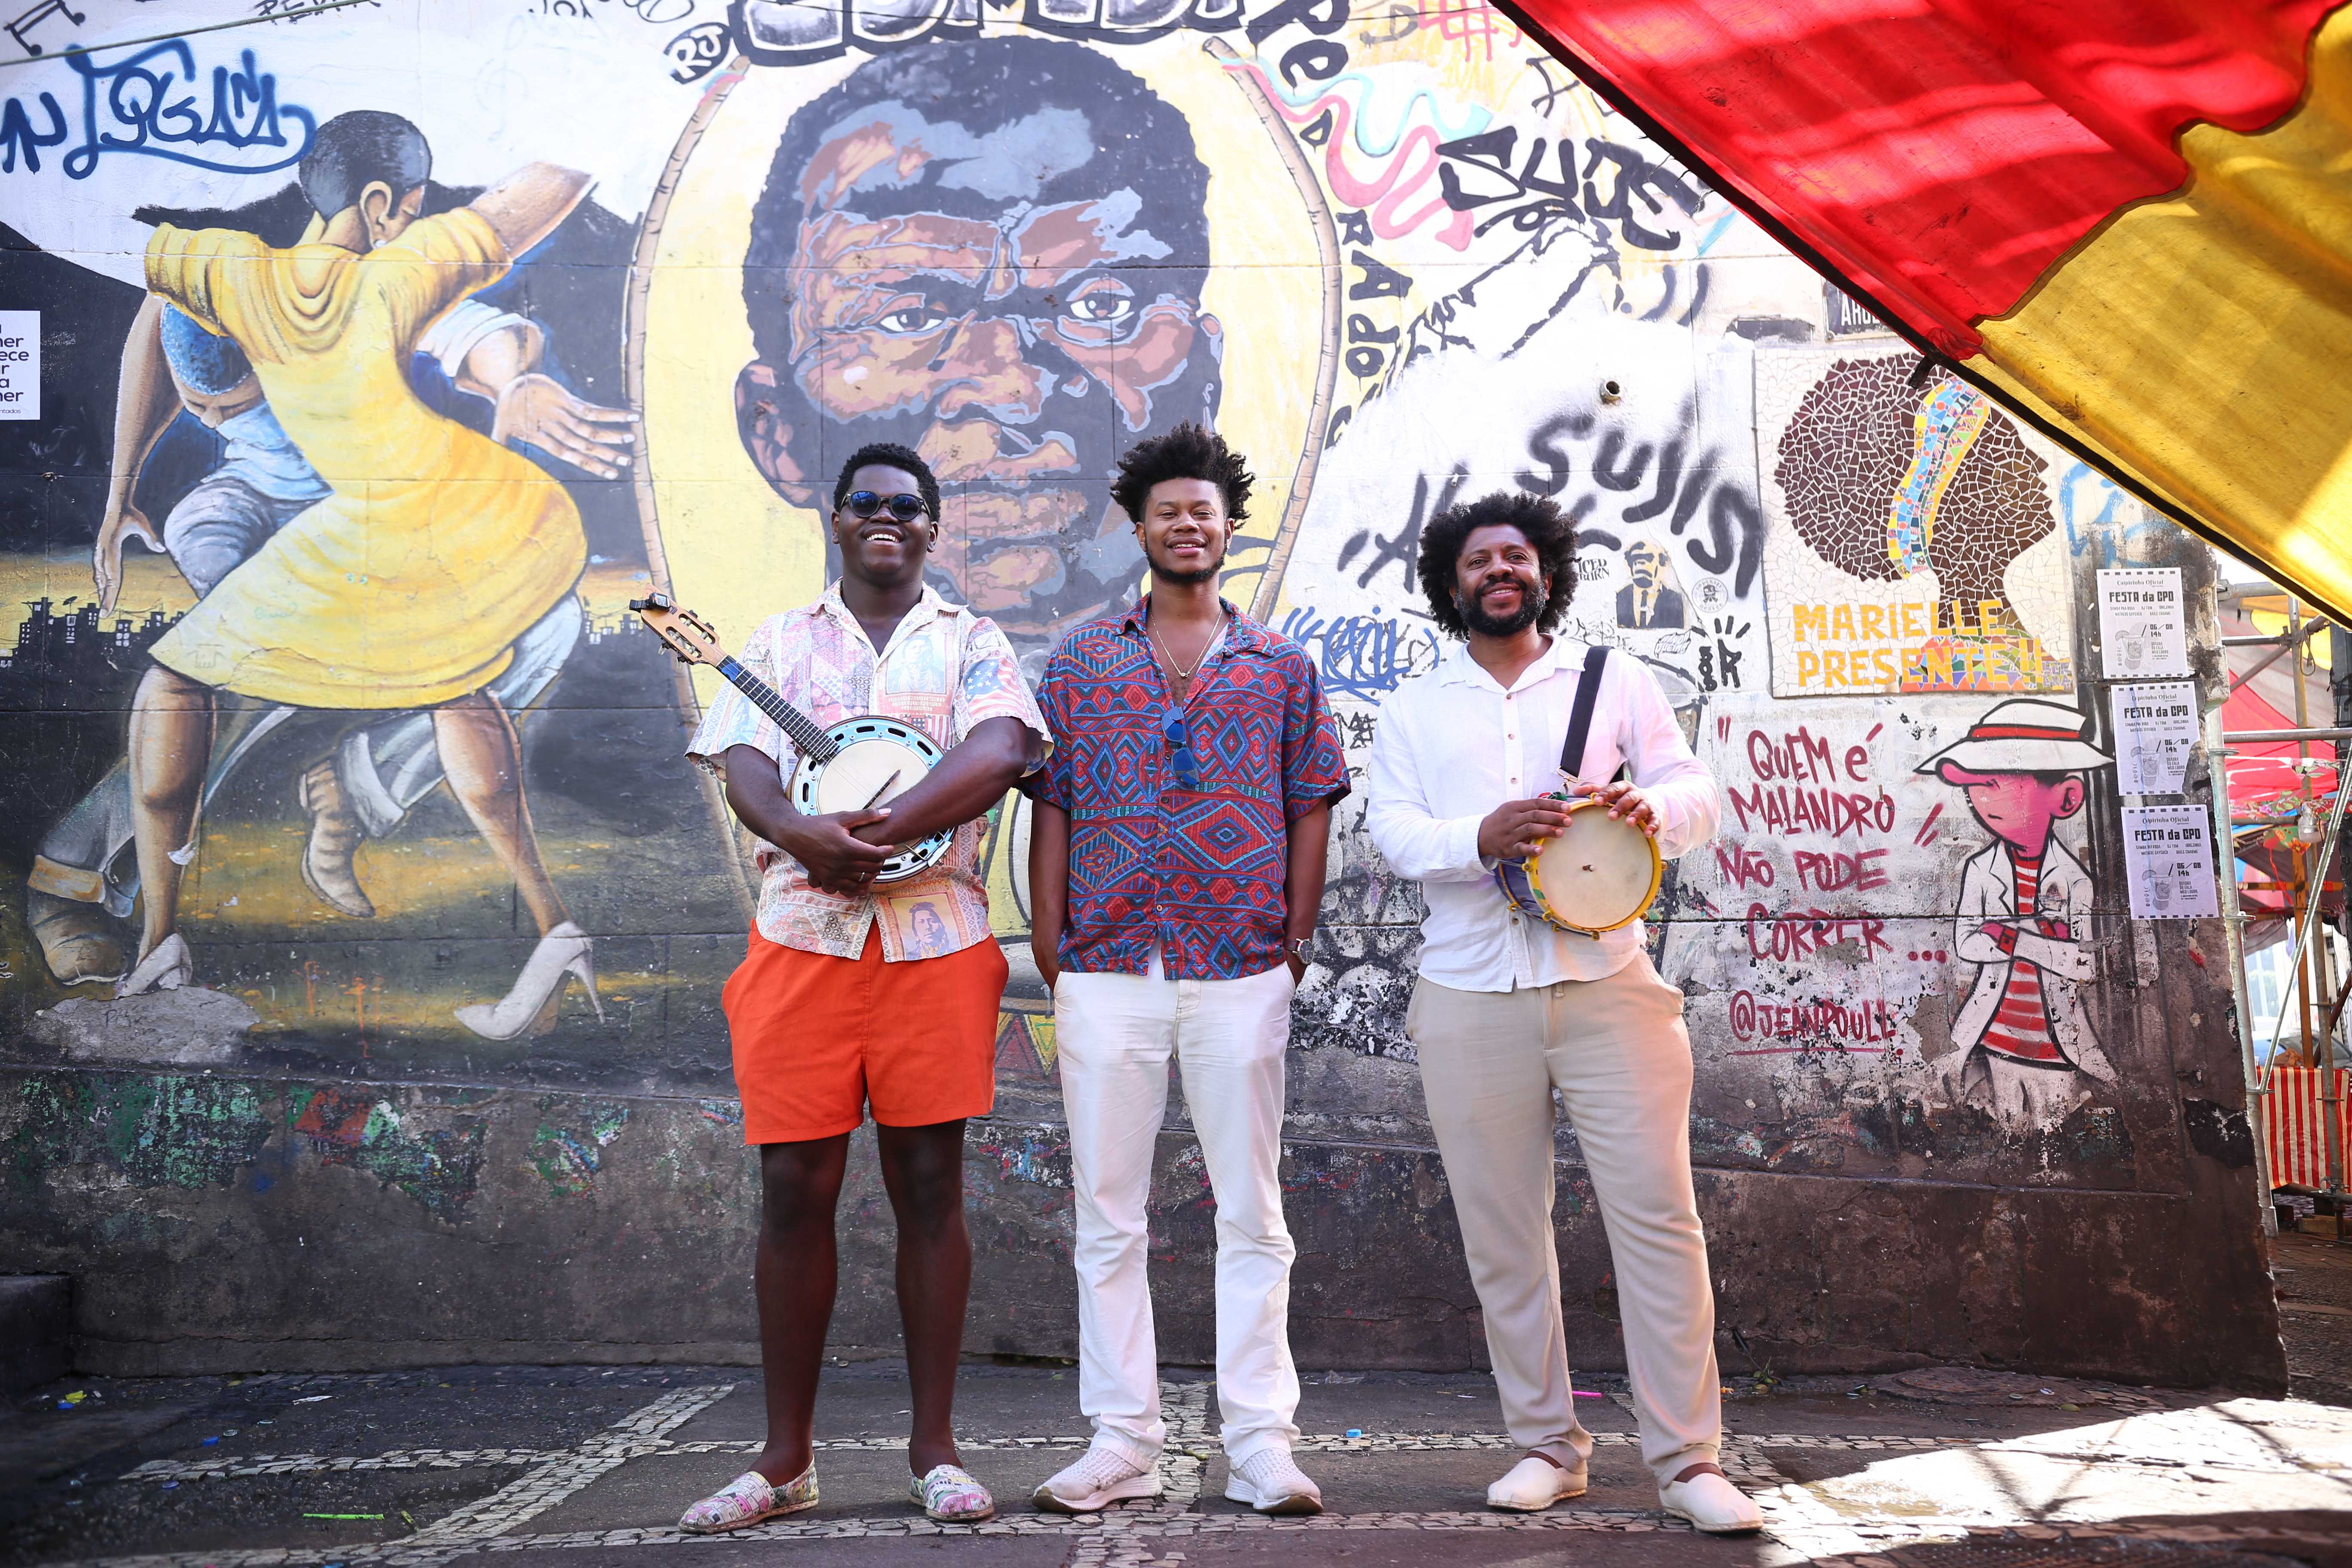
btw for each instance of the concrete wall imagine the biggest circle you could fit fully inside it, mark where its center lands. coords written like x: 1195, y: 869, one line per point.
x: 1400, y: 260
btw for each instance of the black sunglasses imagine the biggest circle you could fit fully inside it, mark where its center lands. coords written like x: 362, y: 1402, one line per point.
x: 863, y: 504
x: 1179, y: 753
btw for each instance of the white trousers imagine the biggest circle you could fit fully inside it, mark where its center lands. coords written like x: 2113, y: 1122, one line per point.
x: 1617, y: 1052
x: 1114, y: 1035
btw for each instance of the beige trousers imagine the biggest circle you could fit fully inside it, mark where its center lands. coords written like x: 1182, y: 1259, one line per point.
x: 1617, y: 1052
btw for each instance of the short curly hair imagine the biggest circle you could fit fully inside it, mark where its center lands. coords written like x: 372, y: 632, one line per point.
x: 1551, y: 531
x: 1187, y: 452
x: 890, y: 455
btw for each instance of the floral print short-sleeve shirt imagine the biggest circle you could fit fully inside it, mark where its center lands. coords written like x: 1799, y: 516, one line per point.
x: 945, y: 671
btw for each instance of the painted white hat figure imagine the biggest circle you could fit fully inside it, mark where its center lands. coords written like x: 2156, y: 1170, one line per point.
x: 2022, y: 735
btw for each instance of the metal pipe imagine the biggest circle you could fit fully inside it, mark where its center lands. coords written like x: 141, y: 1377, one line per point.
x: 2265, y: 639
x: 2234, y: 938
x: 2313, y: 732
x: 2311, y: 905
x: 2285, y: 644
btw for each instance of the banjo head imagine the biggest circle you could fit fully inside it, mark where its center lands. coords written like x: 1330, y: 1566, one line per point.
x: 1601, y: 874
x: 879, y: 760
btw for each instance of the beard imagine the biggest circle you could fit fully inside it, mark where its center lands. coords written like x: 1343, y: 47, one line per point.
x: 1532, y: 601
x: 1185, y: 579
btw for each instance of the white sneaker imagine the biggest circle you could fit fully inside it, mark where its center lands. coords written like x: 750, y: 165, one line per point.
x: 1270, y: 1483
x: 1711, y: 1503
x: 1102, y: 1476
x: 1535, y: 1483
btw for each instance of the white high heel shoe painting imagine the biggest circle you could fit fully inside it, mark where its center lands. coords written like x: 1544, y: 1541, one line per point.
x: 530, y: 1007
x: 166, y: 969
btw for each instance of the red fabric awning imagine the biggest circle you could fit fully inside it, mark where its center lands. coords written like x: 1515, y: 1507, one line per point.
x: 2126, y: 219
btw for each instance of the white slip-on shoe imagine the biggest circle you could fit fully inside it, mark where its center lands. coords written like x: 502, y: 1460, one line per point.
x: 1271, y: 1483
x: 1102, y: 1476
x: 1533, y: 1484
x: 1711, y: 1503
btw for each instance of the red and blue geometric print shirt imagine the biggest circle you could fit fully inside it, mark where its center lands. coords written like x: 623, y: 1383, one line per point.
x: 1199, y: 871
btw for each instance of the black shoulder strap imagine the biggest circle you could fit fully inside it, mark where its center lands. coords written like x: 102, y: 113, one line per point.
x: 1580, y: 718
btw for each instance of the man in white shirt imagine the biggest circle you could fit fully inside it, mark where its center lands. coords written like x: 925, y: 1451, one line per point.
x: 1509, y: 1009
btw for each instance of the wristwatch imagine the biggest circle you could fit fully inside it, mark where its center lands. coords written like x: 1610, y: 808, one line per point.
x: 1297, y: 946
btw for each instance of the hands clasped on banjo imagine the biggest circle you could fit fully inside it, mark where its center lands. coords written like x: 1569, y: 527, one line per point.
x: 841, y: 850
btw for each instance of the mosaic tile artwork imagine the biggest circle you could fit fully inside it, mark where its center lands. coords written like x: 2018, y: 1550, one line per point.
x: 1912, y: 541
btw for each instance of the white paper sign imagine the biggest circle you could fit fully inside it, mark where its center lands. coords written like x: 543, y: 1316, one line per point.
x: 2142, y: 628
x: 2154, y: 727
x: 20, y: 364
x: 2168, y: 860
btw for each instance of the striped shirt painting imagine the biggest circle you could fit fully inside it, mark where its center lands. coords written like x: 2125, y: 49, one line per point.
x: 2022, y: 1027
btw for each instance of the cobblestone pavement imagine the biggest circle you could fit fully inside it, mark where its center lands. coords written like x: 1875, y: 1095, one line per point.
x: 2314, y: 1290
x: 573, y: 1467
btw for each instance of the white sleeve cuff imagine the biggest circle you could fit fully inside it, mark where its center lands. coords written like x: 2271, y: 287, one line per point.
x: 459, y: 328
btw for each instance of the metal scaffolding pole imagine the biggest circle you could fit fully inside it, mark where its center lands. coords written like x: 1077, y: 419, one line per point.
x: 2321, y: 1051
x: 2233, y: 935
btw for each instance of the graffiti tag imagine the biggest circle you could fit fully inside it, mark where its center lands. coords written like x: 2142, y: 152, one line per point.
x: 696, y: 52
x: 794, y: 32
x: 136, y: 107
x: 1362, y: 656
x: 1484, y: 170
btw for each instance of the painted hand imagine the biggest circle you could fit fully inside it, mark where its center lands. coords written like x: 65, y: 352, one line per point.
x: 124, y: 522
x: 536, y: 410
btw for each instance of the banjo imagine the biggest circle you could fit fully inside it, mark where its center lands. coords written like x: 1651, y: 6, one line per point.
x: 1601, y: 872
x: 854, y: 765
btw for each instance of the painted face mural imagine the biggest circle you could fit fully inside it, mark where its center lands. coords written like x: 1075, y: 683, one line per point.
x: 383, y: 530
x: 992, y: 253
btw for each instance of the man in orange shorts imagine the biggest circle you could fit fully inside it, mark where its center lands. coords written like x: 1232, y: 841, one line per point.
x: 854, y: 994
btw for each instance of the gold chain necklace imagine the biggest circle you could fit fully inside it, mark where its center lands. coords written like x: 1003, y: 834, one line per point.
x: 1183, y: 673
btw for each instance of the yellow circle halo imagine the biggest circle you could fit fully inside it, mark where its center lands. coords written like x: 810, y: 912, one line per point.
x: 722, y: 542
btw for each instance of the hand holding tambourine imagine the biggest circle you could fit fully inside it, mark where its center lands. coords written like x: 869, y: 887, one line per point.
x: 1585, y: 860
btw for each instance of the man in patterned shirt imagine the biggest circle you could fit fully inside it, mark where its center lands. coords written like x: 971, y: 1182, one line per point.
x: 1175, y: 867
x: 850, y: 995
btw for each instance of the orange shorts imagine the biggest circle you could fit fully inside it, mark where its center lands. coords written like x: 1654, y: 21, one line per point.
x: 817, y: 1038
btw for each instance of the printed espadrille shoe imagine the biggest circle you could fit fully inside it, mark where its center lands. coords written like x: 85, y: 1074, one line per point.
x: 949, y: 1494
x: 747, y: 1499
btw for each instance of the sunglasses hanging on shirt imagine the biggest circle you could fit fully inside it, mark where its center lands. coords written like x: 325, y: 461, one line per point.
x: 1179, y: 752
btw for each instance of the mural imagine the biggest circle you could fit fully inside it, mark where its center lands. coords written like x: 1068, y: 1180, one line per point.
x: 370, y: 399
x: 1915, y: 537
x: 2023, y: 1045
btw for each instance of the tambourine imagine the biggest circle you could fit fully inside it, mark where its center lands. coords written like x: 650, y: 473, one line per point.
x: 1602, y: 872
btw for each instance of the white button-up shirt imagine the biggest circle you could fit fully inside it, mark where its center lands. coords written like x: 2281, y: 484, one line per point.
x: 1451, y: 745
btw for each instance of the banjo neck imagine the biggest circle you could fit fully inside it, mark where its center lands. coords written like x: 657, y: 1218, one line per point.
x: 813, y: 741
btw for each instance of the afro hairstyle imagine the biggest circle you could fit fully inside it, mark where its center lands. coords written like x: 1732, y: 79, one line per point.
x: 1538, y: 518
x: 1187, y: 452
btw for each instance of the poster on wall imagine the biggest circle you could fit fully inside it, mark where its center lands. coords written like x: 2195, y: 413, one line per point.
x: 20, y: 364
x: 1913, y: 540
x: 2168, y: 860
x: 2142, y: 629
x: 2155, y: 728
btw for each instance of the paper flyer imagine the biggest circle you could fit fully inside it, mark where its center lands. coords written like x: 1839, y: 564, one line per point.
x: 2168, y: 860
x: 2142, y: 628
x: 2154, y: 729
